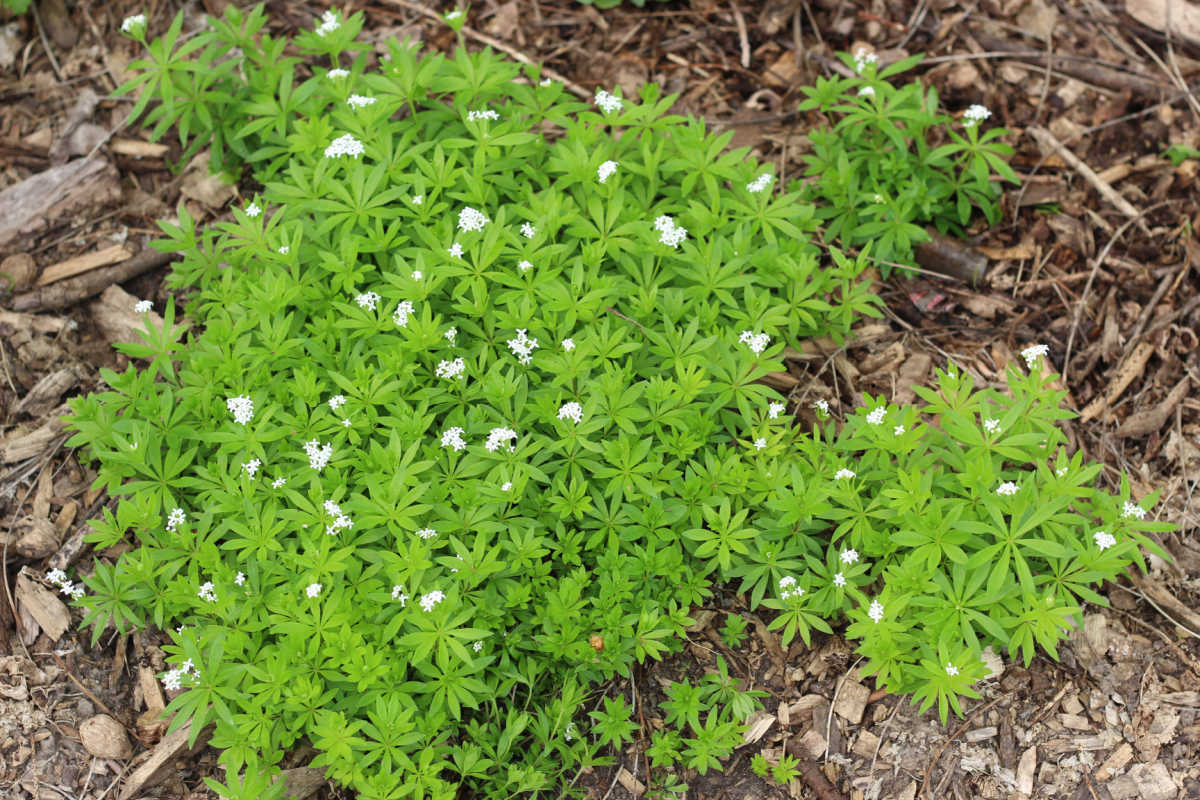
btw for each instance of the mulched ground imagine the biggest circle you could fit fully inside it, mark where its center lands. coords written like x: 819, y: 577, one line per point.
x: 1096, y: 257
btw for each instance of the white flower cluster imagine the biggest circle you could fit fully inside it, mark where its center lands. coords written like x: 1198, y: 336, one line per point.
x: 524, y: 266
x: 175, y: 519
x: 253, y: 210
x: 278, y: 483
x: 975, y: 115
x: 451, y: 335
x: 568, y: 344
x: 340, y: 520
x: 329, y: 23
x: 775, y: 409
x: 142, y: 306
x: 59, y: 579
x: 251, y: 467
x: 760, y: 184
x: 173, y: 680
x: 528, y: 231
x: 572, y: 411
x: 360, y: 101
x: 398, y: 594
x: 991, y: 425
x: 1007, y: 489
x: 345, y: 145
x: 609, y: 103
x: 313, y: 589
x: 875, y: 612
x: 428, y: 601
x: 1104, y: 540
x: 242, y: 408
x: 336, y: 402
x: 822, y: 405
x: 207, y: 592
x: 757, y: 342
x: 455, y: 250
x: 239, y: 579
x: 367, y: 300
x: 498, y: 437
x: 866, y: 91
x: 670, y: 234
x: 450, y: 369
x: 1130, y: 510
x: 338, y: 74
x: 877, y: 416
x: 760, y: 443
x: 522, y: 347
x: 863, y: 57
x: 843, y: 474
x: 476, y: 116
x: 839, y: 580
x: 951, y: 670
x: 1032, y: 353
x: 849, y: 555
x: 426, y: 534
x: 470, y: 219
x: 133, y: 23
x: 606, y: 170
x: 788, y: 588
x: 453, y: 438
x: 400, y: 316
x: 318, y: 454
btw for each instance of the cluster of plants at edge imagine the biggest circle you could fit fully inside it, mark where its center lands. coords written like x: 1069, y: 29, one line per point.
x: 470, y: 417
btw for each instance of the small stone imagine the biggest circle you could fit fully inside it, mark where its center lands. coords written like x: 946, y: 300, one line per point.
x: 852, y: 701
x: 20, y: 268
x: 104, y: 737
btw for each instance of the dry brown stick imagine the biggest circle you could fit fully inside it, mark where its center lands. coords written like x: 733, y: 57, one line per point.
x: 937, y: 757
x: 743, y: 36
x: 1105, y: 189
x: 68, y: 292
x: 811, y: 771
x: 89, y: 693
x: 471, y: 33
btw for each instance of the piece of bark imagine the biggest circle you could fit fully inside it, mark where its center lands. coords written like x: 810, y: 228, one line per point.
x: 1095, y: 74
x: 1025, y: 770
x: 67, y: 293
x: 38, y: 540
x: 46, y: 393
x: 136, y: 148
x: 32, y: 443
x: 1141, y: 423
x: 1183, y: 17
x: 161, y: 761
x: 302, y: 781
x: 81, y: 112
x: 948, y: 256
x: 1131, y: 368
x: 42, y: 604
x: 86, y: 262
x: 811, y: 772
x: 44, y: 200
x: 114, y: 315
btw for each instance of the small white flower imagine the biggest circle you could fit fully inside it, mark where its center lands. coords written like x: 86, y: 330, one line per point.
x: 345, y: 145
x: 951, y: 670
x: 346, y: 423
x: 284, y: 250
x: 877, y: 416
x: 476, y: 116
x: 318, y: 454
x: 898, y: 430
x: 875, y: 612
x: 1007, y: 489
x: 863, y: 57
x: 336, y: 402
x: 337, y: 74
x: 251, y: 467
x: 451, y: 335
x: 77, y: 591
x: 1032, y: 353
x: 866, y: 91
x: 498, y: 437
x: 477, y: 646
x: 991, y: 424
x: 506, y: 486
x: 313, y: 589
x: 522, y: 346
x: 426, y: 533
x: 455, y: 250
x: 400, y: 316
x: 757, y: 342
x: 572, y: 411
x: 57, y: 577
x: 568, y: 344
x: 175, y: 519
x: 843, y: 474
x: 173, y: 680
x: 143, y: 306
x: 760, y: 443
x: 417, y: 274
x: 1104, y: 540
x: 670, y: 234
x: 849, y: 555
x: 398, y: 594
x: 570, y: 732
x: 606, y: 170
x: 133, y: 23
x: 760, y: 184
x: 454, y: 15
x: 428, y: 601
x: 207, y: 592
x: 609, y: 103
x: 66, y: 587
x: 451, y: 369
x: 975, y: 115
x: 545, y: 82
x: 253, y: 210
x: 528, y: 231
x: 786, y: 581
x: 453, y: 438
x: 278, y: 483
x: 469, y: 219
x: 329, y: 23
x: 1130, y: 510
x: 418, y: 199
x: 822, y: 405
x: 839, y: 580
x: 239, y: 579
x: 242, y: 408
x: 360, y: 101
x: 367, y: 300
x: 1061, y: 472
x: 524, y: 266
x: 775, y: 409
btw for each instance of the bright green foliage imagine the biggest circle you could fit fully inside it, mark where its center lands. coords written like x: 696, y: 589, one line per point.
x: 375, y: 515
x: 733, y: 631
x: 16, y: 7
x: 892, y: 162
